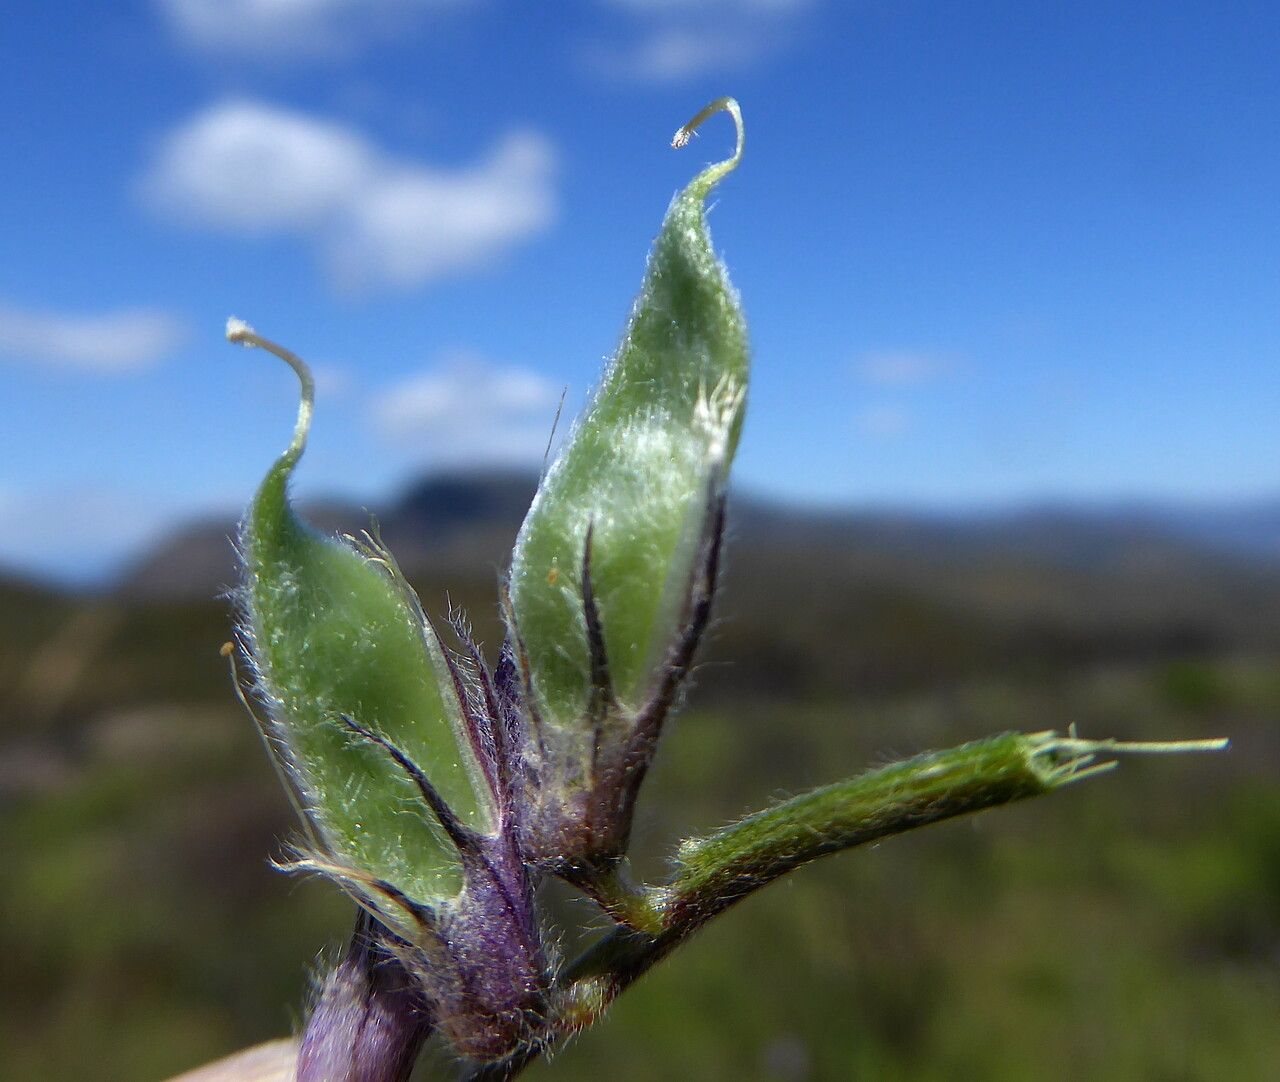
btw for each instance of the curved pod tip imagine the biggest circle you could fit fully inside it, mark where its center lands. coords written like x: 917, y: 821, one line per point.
x: 713, y: 174
x: 240, y: 333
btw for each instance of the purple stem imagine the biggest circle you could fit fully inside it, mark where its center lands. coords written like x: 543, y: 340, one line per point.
x: 368, y: 1024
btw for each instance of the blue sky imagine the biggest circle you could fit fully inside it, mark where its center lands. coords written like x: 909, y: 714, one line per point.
x: 990, y: 252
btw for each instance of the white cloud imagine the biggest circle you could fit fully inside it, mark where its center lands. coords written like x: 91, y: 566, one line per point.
x: 883, y: 421
x: 250, y: 168
x: 679, y: 7
x: 904, y: 369
x: 413, y: 224
x: 113, y: 342
x: 374, y: 220
x: 673, y: 54
x: 331, y: 379
x: 466, y: 411
x: 673, y: 40
x: 290, y: 28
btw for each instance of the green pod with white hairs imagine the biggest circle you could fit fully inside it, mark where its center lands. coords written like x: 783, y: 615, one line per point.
x: 337, y: 637
x: 610, y: 566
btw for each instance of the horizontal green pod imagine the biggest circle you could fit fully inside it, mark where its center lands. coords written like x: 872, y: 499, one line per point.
x: 335, y: 632
x: 640, y: 470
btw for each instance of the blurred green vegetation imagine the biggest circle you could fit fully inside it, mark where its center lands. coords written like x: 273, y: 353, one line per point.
x: 1125, y: 929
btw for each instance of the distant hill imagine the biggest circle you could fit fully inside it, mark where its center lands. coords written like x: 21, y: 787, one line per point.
x: 467, y: 521
x: 137, y: 808
x: 451, y: 521
x: 1083, y: 535
x: 1246, y: 529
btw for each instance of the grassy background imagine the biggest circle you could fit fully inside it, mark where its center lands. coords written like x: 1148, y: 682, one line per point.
x: 1125, y: 929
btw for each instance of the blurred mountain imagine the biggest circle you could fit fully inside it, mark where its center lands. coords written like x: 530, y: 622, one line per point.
x: 452, y: 521
x: 873, y: 599
x: 137, y: 810
x: 469, y: 520
x: 1247, y: 529
x: 28, y: 614
x: 1084, y: 535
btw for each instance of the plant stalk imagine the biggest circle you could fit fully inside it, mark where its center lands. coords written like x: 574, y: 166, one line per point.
x: 715, y: 872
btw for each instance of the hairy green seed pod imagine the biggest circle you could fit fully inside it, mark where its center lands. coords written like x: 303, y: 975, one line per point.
x: 335, y: 633
x: 607, y: 560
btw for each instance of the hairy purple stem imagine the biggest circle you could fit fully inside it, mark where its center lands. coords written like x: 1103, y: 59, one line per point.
x: 369, y: 1023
